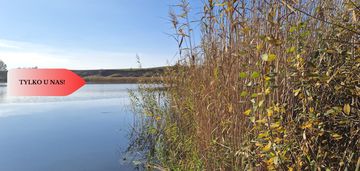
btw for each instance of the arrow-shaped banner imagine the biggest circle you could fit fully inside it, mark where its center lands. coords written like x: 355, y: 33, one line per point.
x: 43, y: 82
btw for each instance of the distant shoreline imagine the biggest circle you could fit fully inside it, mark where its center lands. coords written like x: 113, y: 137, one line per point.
x: 114, y: 76
x: 121, y: 80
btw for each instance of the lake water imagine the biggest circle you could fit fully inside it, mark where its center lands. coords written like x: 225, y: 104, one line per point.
x: 86, y: 131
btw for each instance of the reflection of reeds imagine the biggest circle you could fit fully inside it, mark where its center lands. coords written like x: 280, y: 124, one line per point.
x: 273, y: 85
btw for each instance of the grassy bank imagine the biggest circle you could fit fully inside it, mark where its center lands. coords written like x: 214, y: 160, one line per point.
x: 273, y: 85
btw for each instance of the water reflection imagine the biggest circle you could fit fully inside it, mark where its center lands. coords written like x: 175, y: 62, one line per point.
x: 88, y: 92
x: 87, y: 130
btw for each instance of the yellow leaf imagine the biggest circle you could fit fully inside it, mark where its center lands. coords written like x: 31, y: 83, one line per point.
x: 268, y: 57
x: 255, y: 75
x: 274, y: 125
x: 311, y: 110
x: 252, y: 119
x: 242, y: 74
x: 307, y: 125
x: 272, y: 57
x: 247, y: 112
x: 245, y: 29
x: 291, y: 49
x: 297, y: 91
x: 347, y: 108
x: 262, y: 135
x: 267, y: 91
x: 261, y: 120
x: 292, y: 29
x: 269, y: 112
x: 336, y: 136
x: 261, y: 103
x: 265, y: 57
x: 243, y: 93
x: 270, y: 161
x: 276, y: 109
x: 267, y: 147
x: 277, y: 140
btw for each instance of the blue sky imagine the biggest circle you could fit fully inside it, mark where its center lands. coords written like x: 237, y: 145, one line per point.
x: 85, y: 34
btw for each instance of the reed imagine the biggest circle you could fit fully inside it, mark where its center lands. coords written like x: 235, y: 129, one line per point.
x: 272, y: 85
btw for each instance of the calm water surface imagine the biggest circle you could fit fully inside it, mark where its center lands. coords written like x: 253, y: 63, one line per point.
x: 86, y: 131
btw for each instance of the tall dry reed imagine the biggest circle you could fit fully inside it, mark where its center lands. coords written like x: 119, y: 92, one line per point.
x: 272, y: 85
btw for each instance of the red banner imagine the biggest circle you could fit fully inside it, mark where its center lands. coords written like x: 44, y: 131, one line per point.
x: 43, y: 82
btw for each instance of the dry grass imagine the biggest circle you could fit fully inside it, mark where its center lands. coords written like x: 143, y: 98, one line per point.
x: 273, y: 85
